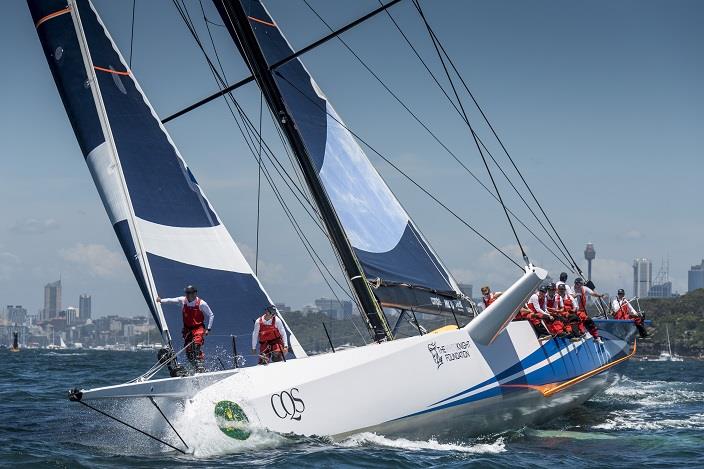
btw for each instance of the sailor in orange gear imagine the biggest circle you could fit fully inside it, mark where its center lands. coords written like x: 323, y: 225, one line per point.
x: 271, y: 336
x: 535, y: 312
x: 195, y: 312
x: 582, y: 293
x: 488, y: 297
x: 555, y: 307
x: 569, y: 311
x: 623, y: 309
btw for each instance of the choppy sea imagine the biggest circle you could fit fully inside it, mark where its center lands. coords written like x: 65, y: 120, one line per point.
x: 654, y: 417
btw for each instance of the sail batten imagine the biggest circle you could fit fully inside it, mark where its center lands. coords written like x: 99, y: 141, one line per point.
x: 389, y: 246
x: 169, y: 232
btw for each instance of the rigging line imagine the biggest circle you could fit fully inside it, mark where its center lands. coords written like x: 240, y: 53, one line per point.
x: 134, y: 6
x: 452, y: 103
x: 220, y: 81
x: 474, y: 137
x: 259, y: 181
x: 450, y: 152
x: 499, y: 140
x: 250, y: 128
x: 400, y: 171
x: 207, y: 99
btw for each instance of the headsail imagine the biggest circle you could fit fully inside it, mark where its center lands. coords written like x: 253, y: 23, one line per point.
x: 167, y: 228
x: 387, y: 243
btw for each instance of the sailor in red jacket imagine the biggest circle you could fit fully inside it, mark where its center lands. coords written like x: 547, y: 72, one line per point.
x: 195, y: 313
x: 271, y: 336
x: 582, y: 294
x: 555, y: 307
x: 622, y: 309
x: 488, y: 297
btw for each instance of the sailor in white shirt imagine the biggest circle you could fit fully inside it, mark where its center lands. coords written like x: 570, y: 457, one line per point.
x: 563, y: 281
x: 271, y: 336
x: 196, y: 313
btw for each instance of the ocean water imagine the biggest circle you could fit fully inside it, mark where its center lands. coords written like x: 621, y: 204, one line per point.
x: 654, y: 417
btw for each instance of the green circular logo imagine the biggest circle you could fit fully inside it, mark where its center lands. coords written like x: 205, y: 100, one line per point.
x: 232, y: 420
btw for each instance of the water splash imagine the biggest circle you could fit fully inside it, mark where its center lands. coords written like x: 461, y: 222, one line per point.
x: 373, y: 439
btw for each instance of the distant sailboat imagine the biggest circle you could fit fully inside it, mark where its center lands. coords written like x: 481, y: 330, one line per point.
x: 668, y: 356
x: 487, y: 376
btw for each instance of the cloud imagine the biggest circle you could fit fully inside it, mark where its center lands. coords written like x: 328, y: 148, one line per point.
x: 34, y: 226
x: 96, y: 259
x: 8, y: 262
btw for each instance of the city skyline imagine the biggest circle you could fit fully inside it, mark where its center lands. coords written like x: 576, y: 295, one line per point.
x: 577, y: 101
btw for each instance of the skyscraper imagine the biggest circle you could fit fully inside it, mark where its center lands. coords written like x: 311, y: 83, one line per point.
x: 84, y: 307
x: 642, y: 277
x: 52, y: 300
x: 16, y: 314
x: 695, y: 277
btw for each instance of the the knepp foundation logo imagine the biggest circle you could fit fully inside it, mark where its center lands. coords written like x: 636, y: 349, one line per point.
x: 446, y: 353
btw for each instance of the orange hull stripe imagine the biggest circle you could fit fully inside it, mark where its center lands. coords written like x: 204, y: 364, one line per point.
x: 52, y: 15
x: 116, y: 72
x: 273, y: 25
x: 552, y: 388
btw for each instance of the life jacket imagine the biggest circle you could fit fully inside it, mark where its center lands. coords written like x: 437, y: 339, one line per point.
x: 552, y: 304
x: 581, y: 299
x: 623, y: 312
x: 489, y: 299
x: 268, y: 332
x: 192, y: 315
x: 568, y: 302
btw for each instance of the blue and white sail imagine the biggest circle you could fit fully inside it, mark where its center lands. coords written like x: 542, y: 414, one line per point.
x: 168, y: 230
x: 391, y: 249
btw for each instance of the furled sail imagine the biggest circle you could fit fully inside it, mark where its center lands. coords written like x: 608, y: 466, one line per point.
x: 394, y: 255
x: 167, y: 228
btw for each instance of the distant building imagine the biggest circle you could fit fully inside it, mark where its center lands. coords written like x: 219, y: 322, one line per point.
x: 309, y: 309
x: 695, y: 277
x: 283, y: 307
x: 466, y: 288
x: 334, y: 308
x: 52, y: 300
x: 661, y: 290
x: 16, y: 314
x: 642, y: 277
x: 72, y: 315
x: 84, y: 307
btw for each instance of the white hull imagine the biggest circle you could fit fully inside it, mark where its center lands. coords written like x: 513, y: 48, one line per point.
x: 401, y: 388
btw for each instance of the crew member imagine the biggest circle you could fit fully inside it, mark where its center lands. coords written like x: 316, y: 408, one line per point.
x: 556, y: 308
x: 563, y: 281
x: 582, y: 293
x: 195, y: 313
x: 623, y: 309
x: 488, y: 297
x: 569, y: 311
x: 535, y: 312
x: 271, y: 336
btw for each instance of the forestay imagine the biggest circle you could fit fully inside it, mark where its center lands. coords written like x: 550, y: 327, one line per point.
x: 391, y: 249
x: 168, y: 230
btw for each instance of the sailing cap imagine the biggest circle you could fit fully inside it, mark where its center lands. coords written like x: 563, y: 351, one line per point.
x: 485, y: 290
x: 551, y: 286
x: 621, y: 291
x: 271, y: 309
x: 190, y: 289
x: 543, y: 288
x: 578, y: 280
x: 563, y: 277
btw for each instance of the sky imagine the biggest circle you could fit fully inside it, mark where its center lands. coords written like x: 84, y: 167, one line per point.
x: 600, y: 103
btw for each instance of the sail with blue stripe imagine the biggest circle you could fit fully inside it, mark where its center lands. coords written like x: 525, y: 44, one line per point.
x: 393, y: 253
x: 166, y: 226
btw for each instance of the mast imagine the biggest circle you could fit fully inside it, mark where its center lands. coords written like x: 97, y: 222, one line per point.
x: 237, y: 22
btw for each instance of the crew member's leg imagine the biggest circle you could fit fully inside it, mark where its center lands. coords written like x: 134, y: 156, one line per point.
x: 196, y: 356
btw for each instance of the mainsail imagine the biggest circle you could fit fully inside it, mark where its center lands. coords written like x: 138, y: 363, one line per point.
x: 394, y: 255
x: 167, y: 228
